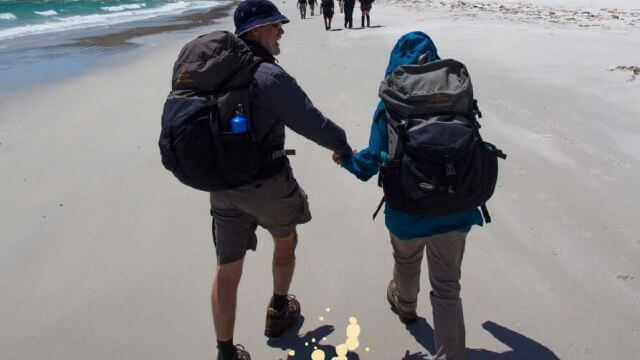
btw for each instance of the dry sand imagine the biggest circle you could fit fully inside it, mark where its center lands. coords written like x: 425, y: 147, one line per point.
x: 105, y: 256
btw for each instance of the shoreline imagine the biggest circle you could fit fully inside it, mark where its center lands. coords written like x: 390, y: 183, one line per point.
x: 41, y: 60
x: 28, y: 63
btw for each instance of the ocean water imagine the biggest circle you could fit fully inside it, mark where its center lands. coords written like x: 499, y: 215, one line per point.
x: 22, y: 18
x: 49, y: 40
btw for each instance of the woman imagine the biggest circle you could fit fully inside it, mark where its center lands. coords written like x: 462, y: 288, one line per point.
x: 326, y: 9
x: 365, y: 7
x: 443, y: 237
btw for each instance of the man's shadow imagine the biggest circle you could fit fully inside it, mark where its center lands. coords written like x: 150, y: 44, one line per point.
x: 305, y: 344
x: 522, y: 347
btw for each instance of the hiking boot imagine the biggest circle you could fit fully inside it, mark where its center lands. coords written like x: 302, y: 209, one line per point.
x: 407, y: 317
x: 241, y: 353
x: 278, y: 322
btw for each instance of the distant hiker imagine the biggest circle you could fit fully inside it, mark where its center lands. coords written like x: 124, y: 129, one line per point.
x: 302, y: 5
x: 327, y: 12
x: 240, y: 158
x: 435, y: 171
x: 348, y: 13
x: 312, y: 5
x: 365, y: 7
x: 341, y: 4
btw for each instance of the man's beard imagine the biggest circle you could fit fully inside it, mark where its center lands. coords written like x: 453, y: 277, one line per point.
x: 273, y: 48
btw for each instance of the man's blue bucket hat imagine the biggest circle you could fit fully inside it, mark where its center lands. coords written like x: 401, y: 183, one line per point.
x: 253, y: 13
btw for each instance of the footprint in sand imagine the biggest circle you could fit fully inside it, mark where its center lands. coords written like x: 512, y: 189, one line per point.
x: 617, y: 162
x: 624, y: 276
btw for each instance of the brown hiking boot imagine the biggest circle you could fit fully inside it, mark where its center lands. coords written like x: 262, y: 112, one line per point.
x: 407, y: 317
x: 278, y: 322
x: 241, y: 353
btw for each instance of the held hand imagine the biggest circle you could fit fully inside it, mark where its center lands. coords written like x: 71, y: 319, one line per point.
x: 336, y: 157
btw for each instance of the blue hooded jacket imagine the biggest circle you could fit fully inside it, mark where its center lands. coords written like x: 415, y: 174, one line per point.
x: 367, y: 162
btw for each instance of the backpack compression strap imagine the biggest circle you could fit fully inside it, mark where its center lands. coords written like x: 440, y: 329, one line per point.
x: 378, y: 208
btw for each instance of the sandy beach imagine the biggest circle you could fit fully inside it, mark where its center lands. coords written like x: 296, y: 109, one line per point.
x: 104, y: 255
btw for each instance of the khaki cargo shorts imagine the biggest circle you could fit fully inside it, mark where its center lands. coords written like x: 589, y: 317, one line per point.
x: 277, y: 204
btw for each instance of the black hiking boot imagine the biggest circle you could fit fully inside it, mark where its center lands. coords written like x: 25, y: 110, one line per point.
x: 407, y: 317
x: 278, y: 322
x: 239, y: 353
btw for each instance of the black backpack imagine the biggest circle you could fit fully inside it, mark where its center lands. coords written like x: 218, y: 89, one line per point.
x: 439, y: 164
x: 213, y: 74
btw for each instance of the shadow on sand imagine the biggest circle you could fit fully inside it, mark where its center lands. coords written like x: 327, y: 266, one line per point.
x: 303, y: 344
x: 522, y: 347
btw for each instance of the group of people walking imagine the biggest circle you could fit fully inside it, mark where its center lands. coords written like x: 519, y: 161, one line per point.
x: 346, y: 7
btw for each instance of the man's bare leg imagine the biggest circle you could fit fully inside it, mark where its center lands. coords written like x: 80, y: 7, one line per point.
x: 284, y: 262
x: 283, y: 311
x: 223, y: 298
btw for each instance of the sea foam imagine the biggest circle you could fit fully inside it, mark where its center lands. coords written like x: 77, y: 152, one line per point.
x: 46, y: 13
x: 123, y: 7
x: 7, y: 16
x: 88, y: 21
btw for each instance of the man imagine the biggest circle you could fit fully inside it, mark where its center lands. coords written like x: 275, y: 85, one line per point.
x: 302, y: 6
x: 312, y: 5
x: 275, y: 202
x: 348, y: 13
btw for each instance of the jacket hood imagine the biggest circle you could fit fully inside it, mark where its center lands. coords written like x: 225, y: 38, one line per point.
x: 408, y: 50
x: 213, y: 62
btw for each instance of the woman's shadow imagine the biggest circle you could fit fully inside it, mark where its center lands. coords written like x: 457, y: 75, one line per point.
x: 305, y: 344
x: 522, y: 347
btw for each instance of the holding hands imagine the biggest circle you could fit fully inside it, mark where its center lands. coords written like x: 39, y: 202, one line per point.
x: 336, y: 157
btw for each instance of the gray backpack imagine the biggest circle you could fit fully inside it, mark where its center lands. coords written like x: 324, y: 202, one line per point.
x: 439, y: 163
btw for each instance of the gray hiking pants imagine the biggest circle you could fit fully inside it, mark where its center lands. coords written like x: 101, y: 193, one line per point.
x: 444, y: 261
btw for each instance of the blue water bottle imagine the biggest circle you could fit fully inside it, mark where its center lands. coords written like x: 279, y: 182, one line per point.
x: 239, y: 123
